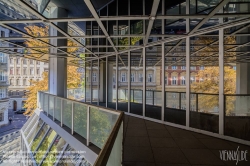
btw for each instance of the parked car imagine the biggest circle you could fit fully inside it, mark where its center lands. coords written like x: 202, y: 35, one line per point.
x: 21, y: 111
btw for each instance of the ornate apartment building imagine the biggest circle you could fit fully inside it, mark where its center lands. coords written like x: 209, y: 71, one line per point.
x: 4, y: 80
x: 21, y: 71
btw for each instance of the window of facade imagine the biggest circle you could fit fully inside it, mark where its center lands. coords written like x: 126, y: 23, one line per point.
x: 174, y: 80
x: 193, y: 67
x: 2, y: 34
x: 31, y: 71
x: 38, y: 62
x: 183, y: 67
x: 31, y: 62
x: 132, y: 77
x: 140, y: 77
x: 201, y: 67
x: 18, y: 71
x: 24, y: 82
x: 183, y: 81
x: 234, y: 67
x: 123, y: 77
x: 2, y: 76
x: 87, y: 78
x: 2, y: 59
x: 150, y: 78
x: 17, y: 81
x: 11, y: 82
x: 11, y: 60
x: 38, y: 71
x: 192, y: 79
x: 24, y: 61
x: 2, y: 92
x: 17, y: 61
x: 11, y: 71
x: 1, y: 116
x: 24, y: 71
x: 174, y: 67
x: 94, y: 77
x: 201, y: 79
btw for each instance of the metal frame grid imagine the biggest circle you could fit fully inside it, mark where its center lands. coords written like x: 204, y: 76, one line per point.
x: 241, y: 22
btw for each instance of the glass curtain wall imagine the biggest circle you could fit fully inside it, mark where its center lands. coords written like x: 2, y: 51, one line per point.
x: 153, y: 82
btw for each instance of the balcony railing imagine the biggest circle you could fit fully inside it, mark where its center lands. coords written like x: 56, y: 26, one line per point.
x: 100, y: 126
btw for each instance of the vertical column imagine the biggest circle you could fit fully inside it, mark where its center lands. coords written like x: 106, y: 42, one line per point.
x: 144, y: 82
x: 107, y: 81
x: 221, y: 79
x: 58, y: 65
x: 163, y: 65
x: 90, y: 77
x: 103, y: 81
x: 116, y: 82
x: 129, y: 64
x: 98, y: 80
x: 187, y: 65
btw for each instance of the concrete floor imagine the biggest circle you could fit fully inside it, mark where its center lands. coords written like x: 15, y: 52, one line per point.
x: 152, y: 144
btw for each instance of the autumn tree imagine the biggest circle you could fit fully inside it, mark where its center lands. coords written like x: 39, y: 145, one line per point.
x: 37, y: 31
x: 73, y: 81
x: 209, y: 77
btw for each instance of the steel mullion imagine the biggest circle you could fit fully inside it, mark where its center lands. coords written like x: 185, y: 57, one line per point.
x: 221, y: 79
x: 163, y: 96
x: 187, y: 67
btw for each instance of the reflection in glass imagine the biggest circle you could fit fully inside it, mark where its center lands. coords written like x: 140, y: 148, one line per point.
x: 39, y: 137
x: 80, y: 119
x: 101, y: 124
x: 31, y: 124
x: 44, y: 146
x: 70, y: 157
x: 67, y: 113
x: 34, y: 132
x: 55, y: 151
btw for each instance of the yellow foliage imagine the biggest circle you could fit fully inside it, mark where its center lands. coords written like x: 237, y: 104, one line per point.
x: 210, y: 84
x: 73, y: 81
x: 37, y: 31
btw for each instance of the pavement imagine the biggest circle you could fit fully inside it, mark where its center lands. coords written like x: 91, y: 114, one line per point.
x: 18, y: 120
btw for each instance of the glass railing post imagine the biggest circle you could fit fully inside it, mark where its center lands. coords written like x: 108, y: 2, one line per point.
x: 133, y: 95
x: 125, y: 95
x: 153, y: 98
x: 61, y: 113
x: 196, y: 102
x: 179, y: 100
x: 72, y: 116
x: 38, y: 100
x: 88, y: 126
x: 54, y: 108
x: 48, y: 107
